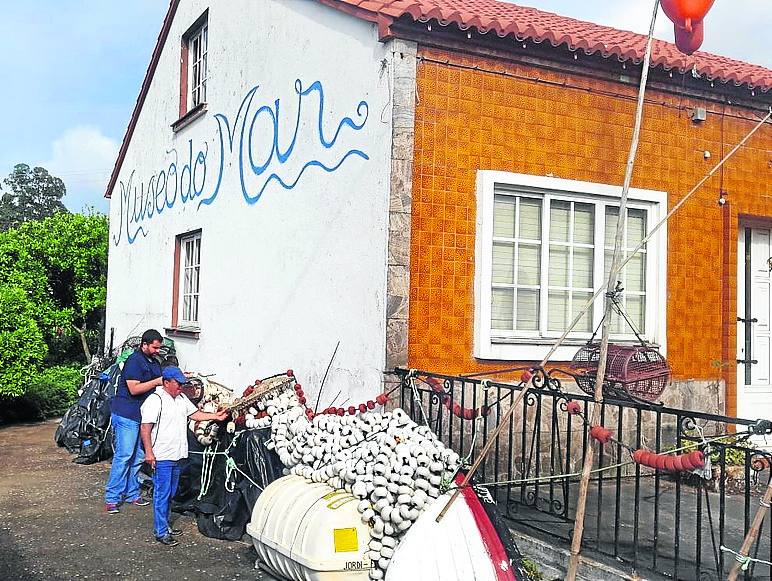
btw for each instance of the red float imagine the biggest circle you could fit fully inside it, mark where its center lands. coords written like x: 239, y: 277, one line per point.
x: 453, y: 407
x: 669, y: 462
x: 689, y: 42
x: 526, y: 376
x: 382, y: 399
x: 574, y: 408
x: 601, y: 434
x: 687, y: 17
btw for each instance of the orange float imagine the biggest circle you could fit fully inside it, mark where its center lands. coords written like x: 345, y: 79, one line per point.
x: 687, y: 17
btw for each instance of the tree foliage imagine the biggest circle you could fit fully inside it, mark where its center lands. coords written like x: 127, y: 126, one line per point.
x: 60, y: 263
x: 22, y: 348
x: 30, y: 194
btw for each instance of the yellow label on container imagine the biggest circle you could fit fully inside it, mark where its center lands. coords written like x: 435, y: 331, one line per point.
x: 346, y: 540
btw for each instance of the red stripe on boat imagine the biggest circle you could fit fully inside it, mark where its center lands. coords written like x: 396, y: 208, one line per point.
x: 488, y: 534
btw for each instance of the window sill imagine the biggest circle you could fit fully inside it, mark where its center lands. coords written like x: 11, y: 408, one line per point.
x: 184, y: 332
x: 519, y: 349
x: 189, y: 117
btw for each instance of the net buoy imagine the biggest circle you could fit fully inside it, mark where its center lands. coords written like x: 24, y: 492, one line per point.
x: 668, y: 462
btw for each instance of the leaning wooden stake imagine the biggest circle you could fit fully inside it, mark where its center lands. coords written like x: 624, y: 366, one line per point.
x: 484, y: 452
x: 752, y: 534
x: 584, y: 483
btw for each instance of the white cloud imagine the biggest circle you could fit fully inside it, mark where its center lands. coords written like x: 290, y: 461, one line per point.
x: 83, y: 157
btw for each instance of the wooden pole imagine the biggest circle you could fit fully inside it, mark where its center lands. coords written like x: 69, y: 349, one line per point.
x: 484, y: 452
x: 584, y: 483
x: 753, y: 532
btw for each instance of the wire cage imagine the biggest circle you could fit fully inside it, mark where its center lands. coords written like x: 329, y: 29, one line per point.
x: 631, y: 370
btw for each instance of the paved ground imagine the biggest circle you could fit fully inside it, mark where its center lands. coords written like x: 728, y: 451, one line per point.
x: 692, y: 538
x: 52, y: 524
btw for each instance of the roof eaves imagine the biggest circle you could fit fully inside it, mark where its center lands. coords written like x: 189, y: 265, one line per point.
x: 156, y: 56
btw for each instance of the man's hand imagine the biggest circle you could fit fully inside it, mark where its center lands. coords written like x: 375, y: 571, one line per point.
x: 220, y: 416
x: 150, y: 459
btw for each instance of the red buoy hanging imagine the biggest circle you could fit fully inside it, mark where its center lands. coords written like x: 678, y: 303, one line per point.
x: 687, y: 17
x: 688, y: 42
x: 601, y: 434
x: 669, y: 462
x: 454, y: 407
x: 574, y: 408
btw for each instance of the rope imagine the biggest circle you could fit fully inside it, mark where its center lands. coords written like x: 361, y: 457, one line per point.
x: 206, y: 469
x: 230, y: 467
x: 744, y: 560
x: 536, y: 479
x: 411, y: 377
x: 478, y: 420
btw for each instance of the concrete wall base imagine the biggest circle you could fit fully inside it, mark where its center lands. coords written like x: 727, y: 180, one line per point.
x: 553, y: 561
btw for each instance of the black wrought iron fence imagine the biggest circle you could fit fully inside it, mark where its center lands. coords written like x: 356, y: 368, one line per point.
x: 672, y: 524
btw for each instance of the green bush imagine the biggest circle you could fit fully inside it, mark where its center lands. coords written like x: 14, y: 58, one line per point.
x: 22, y: 348
x: 54, y: 390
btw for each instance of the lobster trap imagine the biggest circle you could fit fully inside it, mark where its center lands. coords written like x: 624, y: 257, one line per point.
x: 632, y: 371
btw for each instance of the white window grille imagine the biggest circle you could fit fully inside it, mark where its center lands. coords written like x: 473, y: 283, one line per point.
x: 197, y: 53
x: 190, y: 247
x: 543, y: 246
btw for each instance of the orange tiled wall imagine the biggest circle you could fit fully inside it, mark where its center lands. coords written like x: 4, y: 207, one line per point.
x: 474, y: 119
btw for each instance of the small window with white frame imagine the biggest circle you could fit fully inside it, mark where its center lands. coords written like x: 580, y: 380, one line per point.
x: 190, y: 277
x: 544, y: 246
x: 197, y: 57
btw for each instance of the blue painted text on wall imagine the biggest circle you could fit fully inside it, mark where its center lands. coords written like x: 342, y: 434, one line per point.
x: 253, y: 137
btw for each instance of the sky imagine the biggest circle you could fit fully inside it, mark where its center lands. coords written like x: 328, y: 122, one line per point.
x: 71, y: 72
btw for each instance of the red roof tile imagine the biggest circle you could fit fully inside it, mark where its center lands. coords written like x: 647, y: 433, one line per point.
x: 503, y: 18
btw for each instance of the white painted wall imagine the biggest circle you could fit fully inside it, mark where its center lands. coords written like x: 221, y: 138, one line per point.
x: 284, y: 278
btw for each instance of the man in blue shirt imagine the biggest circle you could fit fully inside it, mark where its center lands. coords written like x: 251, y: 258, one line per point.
x: 140, y: 376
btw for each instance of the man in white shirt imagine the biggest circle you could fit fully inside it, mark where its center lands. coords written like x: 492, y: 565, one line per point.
x: 164, y: 433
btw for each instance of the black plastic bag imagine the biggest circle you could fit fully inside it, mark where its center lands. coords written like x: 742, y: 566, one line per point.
x: 230, y: 494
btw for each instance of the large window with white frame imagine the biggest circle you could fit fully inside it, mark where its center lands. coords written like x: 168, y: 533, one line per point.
x: 544, y: 245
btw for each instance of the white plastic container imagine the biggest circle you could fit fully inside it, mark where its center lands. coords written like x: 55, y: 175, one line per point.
x: 307, y: 531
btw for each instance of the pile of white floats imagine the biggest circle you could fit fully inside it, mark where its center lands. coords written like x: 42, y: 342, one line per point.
x: 392, y: 465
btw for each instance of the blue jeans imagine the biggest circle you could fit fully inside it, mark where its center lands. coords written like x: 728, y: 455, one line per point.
x: 165, y: 480
x: 123, y: 484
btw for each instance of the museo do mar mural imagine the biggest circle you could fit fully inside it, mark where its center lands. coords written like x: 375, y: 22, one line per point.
x: 260, y: 158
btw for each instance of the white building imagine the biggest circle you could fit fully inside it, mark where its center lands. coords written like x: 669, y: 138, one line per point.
x: 250, y: 201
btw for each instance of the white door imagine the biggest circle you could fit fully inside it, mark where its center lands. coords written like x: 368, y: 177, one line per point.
x: 754, y: 304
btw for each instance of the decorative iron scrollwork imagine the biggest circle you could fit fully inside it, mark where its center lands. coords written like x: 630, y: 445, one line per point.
x: 687, y: 426
x: 539, y: 378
